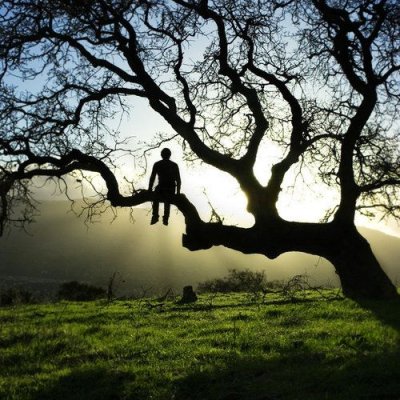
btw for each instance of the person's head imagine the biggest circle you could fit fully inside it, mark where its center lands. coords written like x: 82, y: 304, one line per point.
x: 165, y: 154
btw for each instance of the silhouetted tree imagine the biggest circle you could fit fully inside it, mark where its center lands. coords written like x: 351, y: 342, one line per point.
x: 318, y: 77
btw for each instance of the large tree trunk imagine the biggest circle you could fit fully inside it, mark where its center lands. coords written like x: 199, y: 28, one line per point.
x: 360, y: 273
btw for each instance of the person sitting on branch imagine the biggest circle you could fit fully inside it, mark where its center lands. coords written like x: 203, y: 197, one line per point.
x: 169, y: 183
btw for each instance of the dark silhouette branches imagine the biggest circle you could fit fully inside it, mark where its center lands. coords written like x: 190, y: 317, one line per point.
x: 251, y: 82
x: 356, y: 38
x: 316, y: 78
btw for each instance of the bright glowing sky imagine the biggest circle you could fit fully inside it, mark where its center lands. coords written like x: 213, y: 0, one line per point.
x: 301, y: 203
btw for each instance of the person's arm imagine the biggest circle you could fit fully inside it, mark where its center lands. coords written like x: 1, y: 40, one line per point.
x: 178, y: 181
x: 152, y: 178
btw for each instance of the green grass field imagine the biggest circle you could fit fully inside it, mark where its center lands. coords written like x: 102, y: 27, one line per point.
x: 222, y: 347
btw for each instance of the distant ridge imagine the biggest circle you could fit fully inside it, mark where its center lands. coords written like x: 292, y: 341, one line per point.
x: 61, y: 248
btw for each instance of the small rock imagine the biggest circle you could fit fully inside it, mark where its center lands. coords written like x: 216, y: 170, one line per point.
x: 189, y: 296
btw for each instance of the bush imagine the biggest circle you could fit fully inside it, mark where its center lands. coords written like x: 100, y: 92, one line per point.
x: 236, y: 281
x: 75, y: 291
x: 256, y: 284
x: 14, y: 296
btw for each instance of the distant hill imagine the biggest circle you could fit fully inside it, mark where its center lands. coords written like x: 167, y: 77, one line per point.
x: 60, y: 247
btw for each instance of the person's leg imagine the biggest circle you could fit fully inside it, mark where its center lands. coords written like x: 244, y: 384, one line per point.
x: 168, y: 193
x: 167, y: 208
x: 156, y: 206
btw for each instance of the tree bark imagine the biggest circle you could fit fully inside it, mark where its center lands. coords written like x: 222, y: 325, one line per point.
x: 360, y: 273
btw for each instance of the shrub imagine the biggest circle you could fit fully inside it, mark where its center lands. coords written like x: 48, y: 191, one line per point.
x: 75, y: 291
x: 236, y: 281
x: 256, y: 284
x: 13, y: 296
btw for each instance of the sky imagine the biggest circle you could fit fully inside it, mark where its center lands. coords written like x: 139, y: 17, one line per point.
x: 204, y: 184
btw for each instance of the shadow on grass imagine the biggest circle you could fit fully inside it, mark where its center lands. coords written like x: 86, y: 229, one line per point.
x: 386, y: 311
x: 295, y: 376
x: 89, y: 383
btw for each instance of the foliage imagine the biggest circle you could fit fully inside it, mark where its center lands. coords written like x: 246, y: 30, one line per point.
x: 298, y: 286
x: 314, y: 349
x: 259, y: 288
x: 236, y: 281
x: 14, y: 296
x: 113, y: 284
x: 76, y: 291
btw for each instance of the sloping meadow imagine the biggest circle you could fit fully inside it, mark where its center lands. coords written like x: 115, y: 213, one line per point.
x: 224, y: 346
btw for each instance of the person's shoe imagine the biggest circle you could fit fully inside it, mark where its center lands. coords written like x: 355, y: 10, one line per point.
x: 154, y: 220
x: 165, y: 221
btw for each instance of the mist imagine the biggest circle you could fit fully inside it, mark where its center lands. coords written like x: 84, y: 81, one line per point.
x: 60, y: 247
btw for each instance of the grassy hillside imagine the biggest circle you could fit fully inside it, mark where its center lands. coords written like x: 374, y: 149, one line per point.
x: 222, y: 347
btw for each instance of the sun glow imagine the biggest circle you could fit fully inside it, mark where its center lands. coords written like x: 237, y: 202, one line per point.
x: 301, y: 198
x: 209, y: 188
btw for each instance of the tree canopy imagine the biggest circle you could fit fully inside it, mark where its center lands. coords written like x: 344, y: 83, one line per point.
x: 319, y: 78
